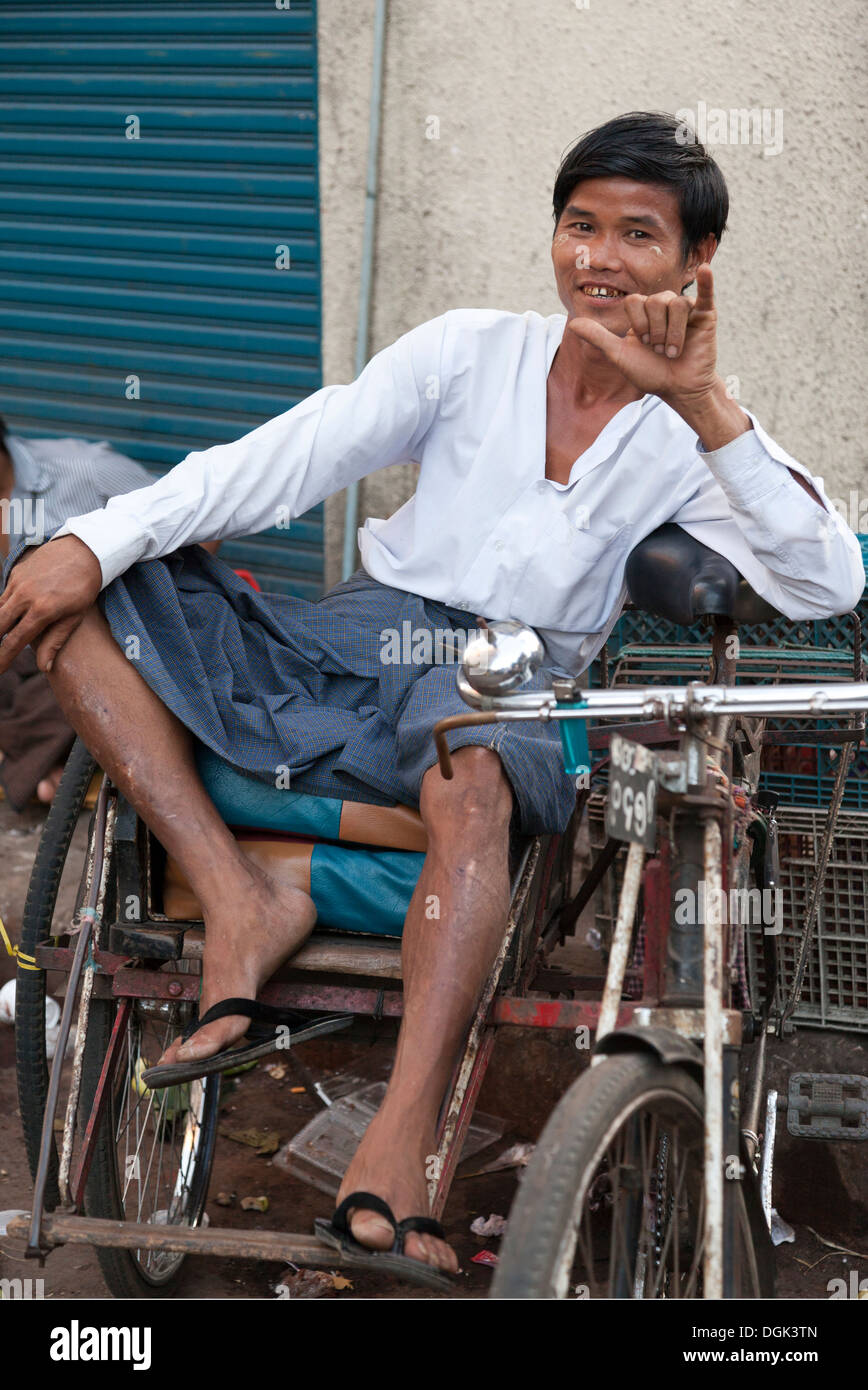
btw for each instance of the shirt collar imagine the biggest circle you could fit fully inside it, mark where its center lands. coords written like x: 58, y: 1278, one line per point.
x: 30, y: 474
x: 617, y: 428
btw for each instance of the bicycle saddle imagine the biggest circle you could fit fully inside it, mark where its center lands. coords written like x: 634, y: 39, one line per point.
x: 676, y: 577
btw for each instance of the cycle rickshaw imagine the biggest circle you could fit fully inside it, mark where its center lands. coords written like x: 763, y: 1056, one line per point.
x: 652, y: 1178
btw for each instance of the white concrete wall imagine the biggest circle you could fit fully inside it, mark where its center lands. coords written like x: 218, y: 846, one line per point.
x: 466, y: 219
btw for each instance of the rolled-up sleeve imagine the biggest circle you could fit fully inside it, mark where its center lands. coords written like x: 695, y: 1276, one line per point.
x: 800, y: 556
x: 280, y: 470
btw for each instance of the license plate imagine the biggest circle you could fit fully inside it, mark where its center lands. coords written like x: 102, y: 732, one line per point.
x: 631, y: 805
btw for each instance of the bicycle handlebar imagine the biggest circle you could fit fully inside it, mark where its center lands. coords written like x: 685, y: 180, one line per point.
x: 673, y: 703
x: 678, y: 701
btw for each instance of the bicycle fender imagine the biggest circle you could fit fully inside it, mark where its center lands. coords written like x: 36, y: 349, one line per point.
x: 664, y: 1043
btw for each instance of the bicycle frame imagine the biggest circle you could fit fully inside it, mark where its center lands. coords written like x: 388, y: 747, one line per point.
x: 688, y: 711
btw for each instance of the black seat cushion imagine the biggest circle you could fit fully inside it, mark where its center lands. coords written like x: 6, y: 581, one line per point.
x: 674, y: 576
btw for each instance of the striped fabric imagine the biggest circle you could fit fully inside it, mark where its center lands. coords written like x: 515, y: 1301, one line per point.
x: 298, y: 695
x: 59, y: 478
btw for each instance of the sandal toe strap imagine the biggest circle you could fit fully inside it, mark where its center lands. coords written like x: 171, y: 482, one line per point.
x: 423, y: 1225
x: 362, y: 1201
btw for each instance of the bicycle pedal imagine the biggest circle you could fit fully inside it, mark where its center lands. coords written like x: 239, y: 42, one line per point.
x: 827, y: 1105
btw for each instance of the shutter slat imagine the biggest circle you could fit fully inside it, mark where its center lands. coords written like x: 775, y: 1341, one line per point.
x: 156, y: 257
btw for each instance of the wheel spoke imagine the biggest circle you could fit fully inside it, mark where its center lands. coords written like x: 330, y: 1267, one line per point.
x: 159, y: 1139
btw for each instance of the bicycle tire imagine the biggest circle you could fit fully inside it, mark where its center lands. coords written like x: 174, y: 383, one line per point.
x: 563, y: 1167
x: 126, y: 1274
x: 30, y: 1055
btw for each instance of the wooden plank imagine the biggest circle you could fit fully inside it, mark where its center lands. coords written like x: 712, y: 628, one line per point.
x: 283, y: 1248
x: 331, y: 953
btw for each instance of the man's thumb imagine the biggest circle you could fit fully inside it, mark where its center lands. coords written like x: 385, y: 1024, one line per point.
x: 597, y: 336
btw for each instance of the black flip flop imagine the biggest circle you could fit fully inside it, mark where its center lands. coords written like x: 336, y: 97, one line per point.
x: 262, y: 1040
x: 338, y: 1235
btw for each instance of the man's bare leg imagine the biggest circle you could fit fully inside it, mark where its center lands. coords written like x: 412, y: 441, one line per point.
x: 253, y: 923
x: 446, y: 961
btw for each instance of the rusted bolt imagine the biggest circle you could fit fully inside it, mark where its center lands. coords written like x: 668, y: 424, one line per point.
x: 175, y: 988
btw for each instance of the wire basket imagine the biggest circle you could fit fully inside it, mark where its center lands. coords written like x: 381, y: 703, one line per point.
x: 835, y: 990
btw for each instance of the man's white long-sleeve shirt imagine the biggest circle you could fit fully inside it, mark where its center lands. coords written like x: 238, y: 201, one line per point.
x: 464, y: 395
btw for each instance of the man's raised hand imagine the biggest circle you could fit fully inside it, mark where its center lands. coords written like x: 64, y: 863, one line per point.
x: 671, y: 348
x: 49, y: 591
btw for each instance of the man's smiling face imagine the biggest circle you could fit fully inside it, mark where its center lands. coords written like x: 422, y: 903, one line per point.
x: 616, y: 237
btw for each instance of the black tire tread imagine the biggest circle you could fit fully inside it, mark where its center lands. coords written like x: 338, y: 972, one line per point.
x: 545, y: 1200
x: 48, y: 865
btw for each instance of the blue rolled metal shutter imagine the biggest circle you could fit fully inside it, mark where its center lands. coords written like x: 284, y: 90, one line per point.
x: 159, y: 257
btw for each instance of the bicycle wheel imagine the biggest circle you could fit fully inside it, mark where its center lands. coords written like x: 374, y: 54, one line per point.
x: 611, y: 1203
x: 154, y: 1149
x: 36, y: 926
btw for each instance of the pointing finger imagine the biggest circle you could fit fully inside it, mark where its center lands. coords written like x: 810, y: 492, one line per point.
x: 704, y: 288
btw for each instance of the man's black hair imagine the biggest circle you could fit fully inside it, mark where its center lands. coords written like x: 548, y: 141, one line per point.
x: 651, y: 147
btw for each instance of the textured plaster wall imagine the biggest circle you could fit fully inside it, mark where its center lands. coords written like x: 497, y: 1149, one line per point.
x: 465, y: 219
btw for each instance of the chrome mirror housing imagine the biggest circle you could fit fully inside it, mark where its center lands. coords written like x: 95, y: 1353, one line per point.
x: 503, y: 657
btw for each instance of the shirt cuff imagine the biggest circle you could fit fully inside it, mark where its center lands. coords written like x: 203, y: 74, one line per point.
x: 116, y: 541
x: 744, y: 468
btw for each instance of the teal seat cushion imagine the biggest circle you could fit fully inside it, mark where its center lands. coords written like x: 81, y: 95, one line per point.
x: 354, y: 889
x: 363, y: 890
x: 247, y: 801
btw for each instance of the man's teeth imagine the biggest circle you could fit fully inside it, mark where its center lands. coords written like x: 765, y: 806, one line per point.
x: 601, y: 292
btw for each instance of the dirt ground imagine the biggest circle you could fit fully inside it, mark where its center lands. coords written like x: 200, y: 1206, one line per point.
x: 821, y: 1189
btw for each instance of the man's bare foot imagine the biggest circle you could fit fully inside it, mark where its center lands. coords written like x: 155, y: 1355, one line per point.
x: 47, y: 787
x: 389, y: 1164
x: 261, y: 923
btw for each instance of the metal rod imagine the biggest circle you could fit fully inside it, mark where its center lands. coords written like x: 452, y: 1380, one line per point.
x: 795, y: 992
x: 750, y: 1124
x: 573, y: 910
x: 34, y: 1248
x: 100, y: 1101
x: 351, y: 506
x: 456, y: 721
x: 621, y: 939
x: 669, y: 701
x: 84, y: 1013
x: 768, y: 1157
x: 712, y: 1270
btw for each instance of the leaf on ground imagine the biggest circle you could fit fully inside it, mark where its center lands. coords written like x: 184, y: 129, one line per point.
x: 306, y: 1283
x: 264, y: 1141
x: 254, y: 1204
x: 339, y: 1281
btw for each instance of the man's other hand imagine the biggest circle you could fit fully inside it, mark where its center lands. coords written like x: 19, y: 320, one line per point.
x: 49, y: 591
